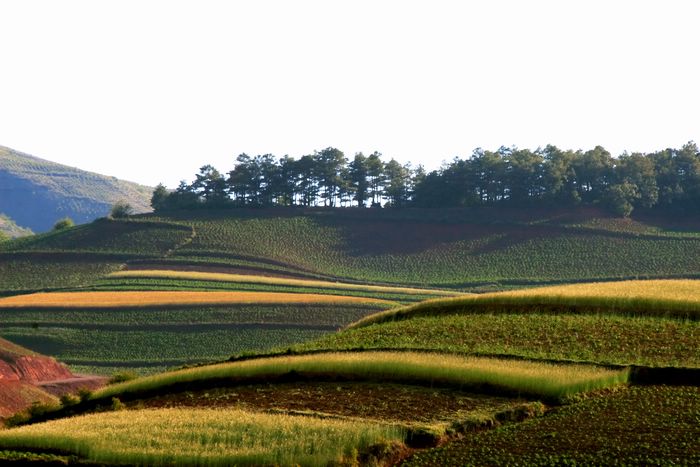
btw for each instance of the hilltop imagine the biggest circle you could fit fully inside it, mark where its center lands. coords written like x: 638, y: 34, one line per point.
x: 35, y: 193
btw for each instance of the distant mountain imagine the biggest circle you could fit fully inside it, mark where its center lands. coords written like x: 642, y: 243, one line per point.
x: 35, y: 193
x: 11, y: 229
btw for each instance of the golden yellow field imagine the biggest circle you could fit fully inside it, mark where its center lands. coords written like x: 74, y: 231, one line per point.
x: 203, y: 437
x: 172, y: 298
x: 520, y: 376
x: 670, y: 297
x: 253, y: 279
x: 680, y: 290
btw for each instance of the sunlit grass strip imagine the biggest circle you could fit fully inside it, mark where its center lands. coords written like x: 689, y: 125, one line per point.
x: 534, y: 378
x: 255, y: 279
x: 203, y: 437
x: 171, y: 298
x: 665, y: 298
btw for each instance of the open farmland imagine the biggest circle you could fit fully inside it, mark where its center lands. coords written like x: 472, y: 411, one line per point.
x: 128, y: 238
x: 593, y: 338
x: 145, y: 279
x: 163, y: 298
x: 257, y: 284
x: 151, y: 331
x: 651, y: 298
x: 405, y: 250
x: 644, y: 425
x: 546, y: 380
x: 25, y: 273
x: 637, y: 322
x: 204, y: 437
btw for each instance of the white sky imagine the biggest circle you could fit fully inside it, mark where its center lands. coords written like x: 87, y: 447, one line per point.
x: 149, y: 91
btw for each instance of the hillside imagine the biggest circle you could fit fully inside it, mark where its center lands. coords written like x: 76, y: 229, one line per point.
x: 9, y: 228
x: 35, y: 193
x: 470, y: 250
x: 312, y: 324
x: 27, y: 377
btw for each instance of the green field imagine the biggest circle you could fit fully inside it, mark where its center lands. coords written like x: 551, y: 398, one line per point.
x: 439, y: 254
x: 23, y: 272
x: 150, y: 294
x: 593, y: 338
x: 645, y: 425
x: 443, y: 249
x: 152, y: 340
x: 203, y: 437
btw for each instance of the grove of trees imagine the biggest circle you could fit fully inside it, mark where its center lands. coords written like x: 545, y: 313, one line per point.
x: 667, y: 179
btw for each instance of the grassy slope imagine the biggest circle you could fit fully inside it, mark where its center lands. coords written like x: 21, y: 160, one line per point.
x: 636, y: 322
x: 408, y: 247
x: 204, y: 437
x: 11, y: 229
x: 39, y: 192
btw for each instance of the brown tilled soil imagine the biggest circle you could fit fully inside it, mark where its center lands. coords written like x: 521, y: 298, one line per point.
x: 373, y: 401
x: 73, y: 385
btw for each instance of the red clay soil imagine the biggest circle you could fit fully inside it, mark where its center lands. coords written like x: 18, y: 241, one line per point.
x: 16, y: 396
x: 27, y: 377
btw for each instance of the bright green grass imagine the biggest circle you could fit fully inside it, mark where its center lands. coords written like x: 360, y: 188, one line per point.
x: 538, y: 379
x: 203, y: 437
x: 642, y: 425
x: 597, y: 338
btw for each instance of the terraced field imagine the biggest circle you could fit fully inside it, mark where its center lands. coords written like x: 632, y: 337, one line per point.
x: 639, y: 322
x: 104, y: 332
x: 444, y: 254
x: 547, y: 368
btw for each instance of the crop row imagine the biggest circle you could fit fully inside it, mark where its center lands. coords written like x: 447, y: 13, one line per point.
x: 596, y: 338
x: 488, y: 254
x: 203, y: 437
x: 156, y: 298
x: 252, y: 279
x: 114, y: 284
x: 311, y: 315
x: 666, y: 298
x: 139, y: 349
x: 643, y: 425
x: 521, y: 377
x: 151, y: 239
x: 20, y: 272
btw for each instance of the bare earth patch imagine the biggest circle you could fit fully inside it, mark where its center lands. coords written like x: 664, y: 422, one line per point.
x: 387, y: 402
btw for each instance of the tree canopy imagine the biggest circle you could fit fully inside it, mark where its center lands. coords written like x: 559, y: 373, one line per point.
x: 666, y: 179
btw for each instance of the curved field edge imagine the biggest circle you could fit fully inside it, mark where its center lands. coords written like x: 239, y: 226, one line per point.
x: 257, y: 279
x: 204, y: 437
x: 170, y: 298
x: 598, y: 338
x: 641, y: 425
x: 549, y: 381
x: 662, y: 298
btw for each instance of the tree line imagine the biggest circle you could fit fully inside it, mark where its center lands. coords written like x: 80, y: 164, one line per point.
x: 667, y: 179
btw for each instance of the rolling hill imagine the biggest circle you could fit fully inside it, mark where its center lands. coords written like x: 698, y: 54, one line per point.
x: 35, y: 193
x: 307, y: 324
